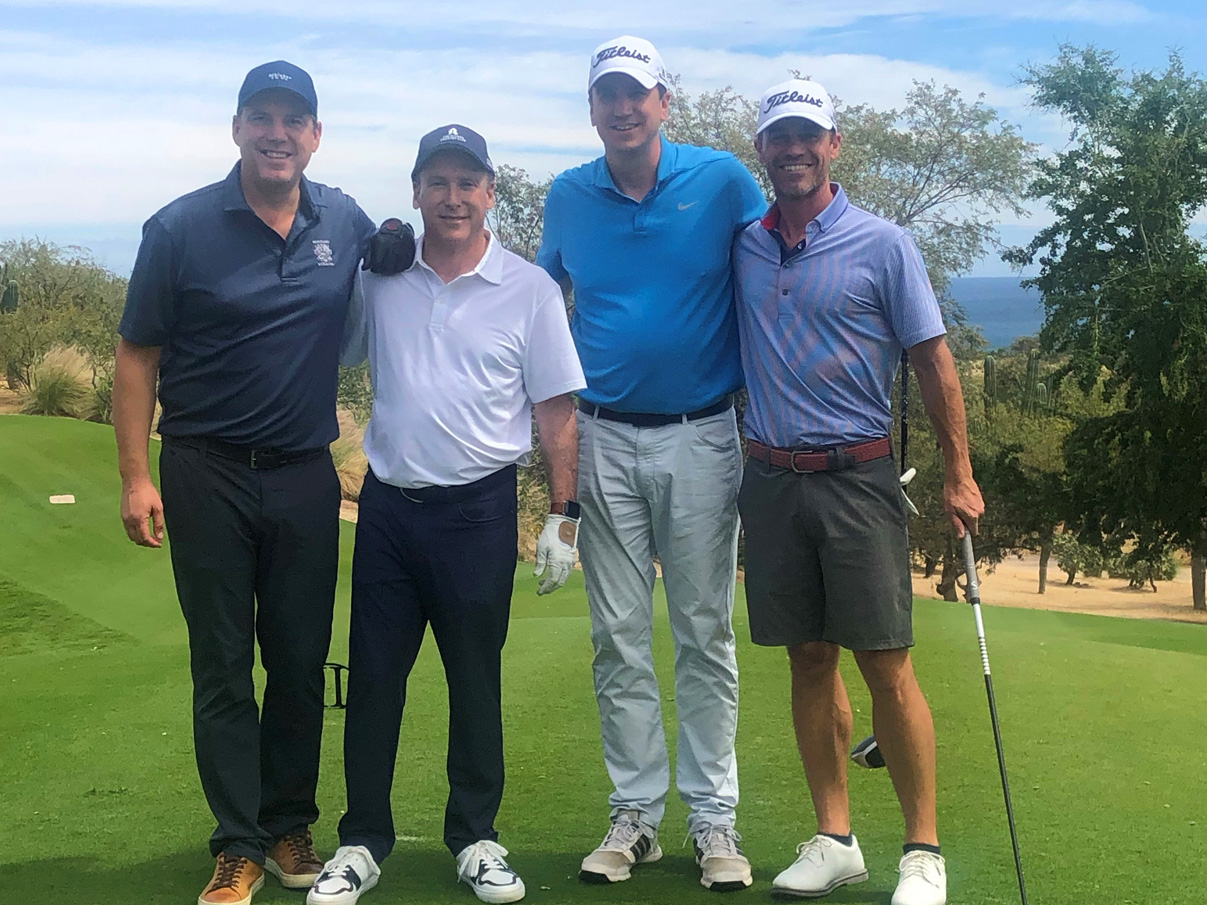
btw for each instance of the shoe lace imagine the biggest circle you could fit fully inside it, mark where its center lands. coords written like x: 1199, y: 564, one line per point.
x: 489, y: 852
x: 229, y: 868
x: 921, y: 865
x: 813, y: 849
x: 624, y: 831
x: 301, y: 845
x: 717, y: 841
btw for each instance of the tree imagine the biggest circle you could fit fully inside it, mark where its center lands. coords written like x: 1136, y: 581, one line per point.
x: 1124, y: 287
x: 64, y: 298
x: 941, y: 167
x: 518, y: 217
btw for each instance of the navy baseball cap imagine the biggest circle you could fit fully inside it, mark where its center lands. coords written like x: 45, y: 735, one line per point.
x: 279, y: 74
x: 453, y: 137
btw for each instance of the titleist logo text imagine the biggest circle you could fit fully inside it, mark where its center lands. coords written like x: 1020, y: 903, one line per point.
x: 791, y: 97
x: 618, y: 51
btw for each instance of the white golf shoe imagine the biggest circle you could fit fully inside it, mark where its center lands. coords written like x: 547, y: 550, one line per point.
x: 723, y: 866
x: 821, y: 866
x: 350, y: 872
x: 483, y: 867
x: 923, y: 880
x: 628, y: 842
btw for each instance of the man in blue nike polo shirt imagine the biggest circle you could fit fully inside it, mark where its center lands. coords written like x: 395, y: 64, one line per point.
x: 643, y: 235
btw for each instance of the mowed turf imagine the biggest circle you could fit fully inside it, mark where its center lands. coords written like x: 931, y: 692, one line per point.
x: 1103, y: 724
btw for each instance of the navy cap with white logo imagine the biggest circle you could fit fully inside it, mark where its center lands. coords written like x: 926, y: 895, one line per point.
x: 279, y: 74
x: 453, y: 137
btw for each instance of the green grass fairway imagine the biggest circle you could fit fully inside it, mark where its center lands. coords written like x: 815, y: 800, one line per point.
x: 1103, y: 725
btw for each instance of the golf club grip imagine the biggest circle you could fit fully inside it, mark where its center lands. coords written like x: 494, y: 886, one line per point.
x: 974, y: 587
x: 1001, y: 764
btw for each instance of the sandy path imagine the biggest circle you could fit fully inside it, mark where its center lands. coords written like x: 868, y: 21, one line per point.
x: 1015, y: 583
x: 10, y: 402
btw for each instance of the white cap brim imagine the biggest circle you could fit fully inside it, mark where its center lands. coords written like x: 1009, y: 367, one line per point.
x: 644, y: 79
x: 820, y: 118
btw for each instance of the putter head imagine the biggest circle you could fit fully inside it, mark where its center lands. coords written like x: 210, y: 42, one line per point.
x: 868, y: 754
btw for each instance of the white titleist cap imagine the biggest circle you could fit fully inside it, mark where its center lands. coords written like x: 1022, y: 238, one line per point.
x: 635, y: 57
x: 796, y: 97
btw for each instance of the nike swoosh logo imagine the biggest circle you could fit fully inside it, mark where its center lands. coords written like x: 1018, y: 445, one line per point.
x: 684, y: 207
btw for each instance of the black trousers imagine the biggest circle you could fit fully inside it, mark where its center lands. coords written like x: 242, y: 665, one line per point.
x: 444, y: 556
x: 255, y: 554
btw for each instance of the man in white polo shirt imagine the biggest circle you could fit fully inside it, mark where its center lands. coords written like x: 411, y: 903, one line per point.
x: 463, y: 349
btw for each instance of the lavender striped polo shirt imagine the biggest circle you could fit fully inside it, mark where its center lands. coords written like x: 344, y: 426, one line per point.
x: 822, y: 329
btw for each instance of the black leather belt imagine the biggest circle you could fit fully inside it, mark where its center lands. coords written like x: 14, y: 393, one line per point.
x: 644, y: 419
x: 259, y: 458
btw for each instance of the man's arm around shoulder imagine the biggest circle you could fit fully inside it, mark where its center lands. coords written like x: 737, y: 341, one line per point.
x: 134, y: 379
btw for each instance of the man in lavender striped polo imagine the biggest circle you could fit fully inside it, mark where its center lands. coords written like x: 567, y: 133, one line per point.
x: 827, y: 297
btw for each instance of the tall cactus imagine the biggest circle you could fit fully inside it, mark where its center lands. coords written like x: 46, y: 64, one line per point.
x: 11, y: 297
x: 1029, y: 387
x: 990, y: 385
x: 1041, y: 397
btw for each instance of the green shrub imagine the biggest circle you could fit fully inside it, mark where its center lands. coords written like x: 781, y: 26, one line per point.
x: 102, y: 399
x: 1073, y: 556
x: 1140, y: 569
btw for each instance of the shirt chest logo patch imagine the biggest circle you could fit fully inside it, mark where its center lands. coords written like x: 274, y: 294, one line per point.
x: 323, y: 253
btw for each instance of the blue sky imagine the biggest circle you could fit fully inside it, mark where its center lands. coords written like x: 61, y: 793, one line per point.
x: 110, y: 110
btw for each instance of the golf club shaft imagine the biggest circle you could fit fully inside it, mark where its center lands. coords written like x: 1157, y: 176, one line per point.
x: 974, y: 597
x: 904, y: 407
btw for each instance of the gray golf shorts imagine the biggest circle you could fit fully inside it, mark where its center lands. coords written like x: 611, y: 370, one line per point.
x: 827, y: 556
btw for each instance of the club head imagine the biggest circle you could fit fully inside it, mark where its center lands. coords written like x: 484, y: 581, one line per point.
x: 868, y: 754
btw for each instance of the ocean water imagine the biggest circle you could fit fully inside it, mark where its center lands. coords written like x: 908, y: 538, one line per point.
x: 1002, y: 308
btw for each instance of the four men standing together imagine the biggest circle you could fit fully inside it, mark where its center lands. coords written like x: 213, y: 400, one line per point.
x: 246, y: 293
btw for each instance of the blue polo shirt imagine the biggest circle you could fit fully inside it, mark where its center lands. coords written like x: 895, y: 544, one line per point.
x: 823, y: 326
x: 250, y: 323
x: 653, y: 292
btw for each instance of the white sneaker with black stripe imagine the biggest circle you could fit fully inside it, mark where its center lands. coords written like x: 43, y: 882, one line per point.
x: 628, y: 842
x: 483, y: 867
x: 350, y: 872
x: 723, y: 866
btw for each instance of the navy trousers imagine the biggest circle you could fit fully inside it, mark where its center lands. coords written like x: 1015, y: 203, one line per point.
x: 255, y: 555
x: 443, y: 556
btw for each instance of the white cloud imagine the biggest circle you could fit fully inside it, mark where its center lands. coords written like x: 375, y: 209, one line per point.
x: 113, y: 131
x: 512, y: 17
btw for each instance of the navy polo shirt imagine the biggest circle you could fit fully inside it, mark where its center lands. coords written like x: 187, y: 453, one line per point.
x: 250, y: 323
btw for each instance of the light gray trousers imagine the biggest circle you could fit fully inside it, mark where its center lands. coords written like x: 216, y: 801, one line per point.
x: 672, y: 492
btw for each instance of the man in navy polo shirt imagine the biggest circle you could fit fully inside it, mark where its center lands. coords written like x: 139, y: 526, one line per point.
x: 643, y: 234
x: 828, y: 295
x: 237, y: 305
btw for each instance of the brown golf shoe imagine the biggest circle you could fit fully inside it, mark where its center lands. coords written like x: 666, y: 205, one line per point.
x: 293, y: 861
x: 235, y: 881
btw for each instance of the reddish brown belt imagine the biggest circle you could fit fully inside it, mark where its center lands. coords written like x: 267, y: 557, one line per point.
x: 835, y: 459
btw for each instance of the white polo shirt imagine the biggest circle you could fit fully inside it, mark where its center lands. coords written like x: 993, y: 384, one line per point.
x: 456, y: 367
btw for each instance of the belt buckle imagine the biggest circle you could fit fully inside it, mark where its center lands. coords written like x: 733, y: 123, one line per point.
x: 252, y: 461
x: 795, y: 470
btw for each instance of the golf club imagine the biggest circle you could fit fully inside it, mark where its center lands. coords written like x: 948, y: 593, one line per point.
x: 973, y: 592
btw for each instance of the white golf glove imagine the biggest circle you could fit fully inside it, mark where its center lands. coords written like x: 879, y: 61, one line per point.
x: 555, y: 552
x: 905, y: 479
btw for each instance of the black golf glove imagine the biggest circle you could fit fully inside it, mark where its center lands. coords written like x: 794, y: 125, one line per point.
x: 392, y: 248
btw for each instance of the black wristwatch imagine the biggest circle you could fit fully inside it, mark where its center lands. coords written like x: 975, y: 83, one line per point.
x: 568, y: 508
